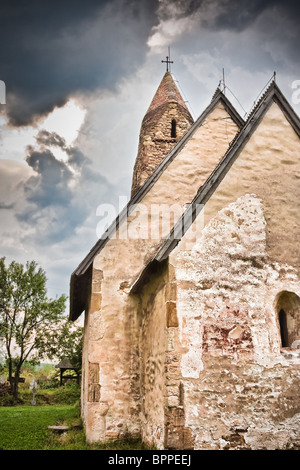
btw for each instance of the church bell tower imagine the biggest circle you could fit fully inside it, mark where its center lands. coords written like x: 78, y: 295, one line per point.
x: 165, y: 122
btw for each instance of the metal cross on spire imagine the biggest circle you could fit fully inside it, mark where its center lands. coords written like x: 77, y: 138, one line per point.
x: 168, y: 61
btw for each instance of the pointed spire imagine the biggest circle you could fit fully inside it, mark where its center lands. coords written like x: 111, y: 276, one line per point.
x: 166, y: 121
x: 166, y: 93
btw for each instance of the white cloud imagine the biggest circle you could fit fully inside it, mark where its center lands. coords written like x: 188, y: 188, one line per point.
x: 167, y: 32
x: 65, y: 121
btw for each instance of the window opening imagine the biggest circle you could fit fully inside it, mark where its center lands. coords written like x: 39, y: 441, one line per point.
x: 283, y: 328
x: 173, y: 128
x: 288, y: 317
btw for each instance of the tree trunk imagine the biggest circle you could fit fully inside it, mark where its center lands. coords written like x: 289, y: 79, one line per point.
x: 11, y: 378
x: 14, y: 381
x: 15, y: 385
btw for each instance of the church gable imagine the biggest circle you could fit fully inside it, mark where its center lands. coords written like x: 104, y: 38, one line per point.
x: 194, y: 162
x: 269, y: 166
x: 177, y: 179
x: 262, y: 159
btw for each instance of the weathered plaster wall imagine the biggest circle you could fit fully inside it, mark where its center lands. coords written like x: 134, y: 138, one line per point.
x: 228, y: 383
x: 240, y: 387
x: 152, y: 352
x: 112, y: 333
x: 269, y: 165
x: 112, y: 350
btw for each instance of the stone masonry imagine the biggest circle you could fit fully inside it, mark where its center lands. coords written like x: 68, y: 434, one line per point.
x: 193, y: 342
x: 165, y: 122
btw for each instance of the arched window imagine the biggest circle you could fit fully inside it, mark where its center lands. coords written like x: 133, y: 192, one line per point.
x: 288, y: 311
x: 283, y: 328
x: 173, y: 128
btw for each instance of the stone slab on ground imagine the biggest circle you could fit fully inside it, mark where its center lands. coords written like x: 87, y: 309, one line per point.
x: 58, y: 429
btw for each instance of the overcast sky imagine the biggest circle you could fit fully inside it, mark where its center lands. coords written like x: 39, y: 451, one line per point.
x: 79, y: 78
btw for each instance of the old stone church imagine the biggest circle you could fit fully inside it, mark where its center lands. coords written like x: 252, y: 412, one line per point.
x: 192, y: 327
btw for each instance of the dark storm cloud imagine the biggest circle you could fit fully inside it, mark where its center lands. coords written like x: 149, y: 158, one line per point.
x: 257, y: 35
x: 231, y: 14
x: 240, y: 14
x: 50, y: 186
x: 47, y: 138
x: 57, y: 198
x: 76, y: 158
x: 51, y: 50
x: 234, y: 15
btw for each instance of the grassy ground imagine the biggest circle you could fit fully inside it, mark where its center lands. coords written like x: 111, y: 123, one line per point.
x: 26, y: 428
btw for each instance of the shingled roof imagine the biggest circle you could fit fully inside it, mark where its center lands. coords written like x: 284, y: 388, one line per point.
x: 81, y: 277
x: 166, y: 92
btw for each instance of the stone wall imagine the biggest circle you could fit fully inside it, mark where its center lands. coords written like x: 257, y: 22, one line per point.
x: 157, y: 139
x: 228, y: 381
x: 240, y: 386
x: 269, y: 165
x: 177, y: 434
x: 162, y: 394
x: 112, y: 328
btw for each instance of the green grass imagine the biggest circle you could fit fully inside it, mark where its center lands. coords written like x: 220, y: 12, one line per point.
x: 26, y: 428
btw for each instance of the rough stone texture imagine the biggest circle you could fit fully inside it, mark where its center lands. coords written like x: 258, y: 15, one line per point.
x: 157, y: 135
x: 240, y: 386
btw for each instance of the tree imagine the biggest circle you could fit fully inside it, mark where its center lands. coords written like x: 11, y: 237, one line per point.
x: 69, y: 345
x: 32, y: 327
